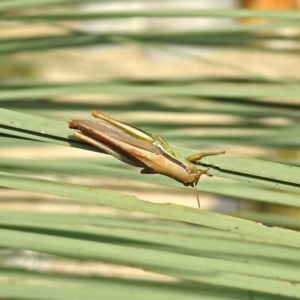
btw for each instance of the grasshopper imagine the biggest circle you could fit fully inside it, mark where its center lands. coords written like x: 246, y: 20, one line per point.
x: 140, y: 149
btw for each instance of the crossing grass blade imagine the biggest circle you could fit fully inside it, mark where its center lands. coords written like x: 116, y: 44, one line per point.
x: 180, y: 213
x: 270, y: 174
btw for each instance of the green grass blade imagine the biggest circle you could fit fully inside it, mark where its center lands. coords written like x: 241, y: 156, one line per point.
x: 187, y: 267
x: 175, y: 212
x: 239, y: 168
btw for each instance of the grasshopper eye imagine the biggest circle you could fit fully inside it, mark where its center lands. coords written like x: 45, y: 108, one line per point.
x: 189, y: 169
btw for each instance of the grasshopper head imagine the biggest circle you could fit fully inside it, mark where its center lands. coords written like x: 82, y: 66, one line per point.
x: 194, y: 173
x: 194, y: 177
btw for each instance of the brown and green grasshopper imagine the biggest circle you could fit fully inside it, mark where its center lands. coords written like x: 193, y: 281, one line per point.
x: 139, y: 148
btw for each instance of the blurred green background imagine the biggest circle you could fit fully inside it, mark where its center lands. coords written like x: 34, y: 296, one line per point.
x: 212, y: 75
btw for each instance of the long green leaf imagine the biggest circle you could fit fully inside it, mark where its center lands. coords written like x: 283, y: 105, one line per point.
x: 238, y: 168
x: 181, y: 213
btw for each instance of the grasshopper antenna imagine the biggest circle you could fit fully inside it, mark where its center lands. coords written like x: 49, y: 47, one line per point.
x: 197, y: 194
x: 194, y: 184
